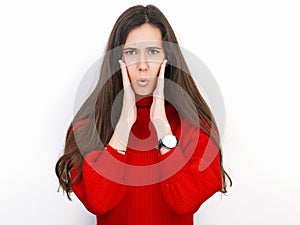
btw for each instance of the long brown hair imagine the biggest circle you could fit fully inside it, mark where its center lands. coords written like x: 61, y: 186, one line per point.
x: 97, y: 109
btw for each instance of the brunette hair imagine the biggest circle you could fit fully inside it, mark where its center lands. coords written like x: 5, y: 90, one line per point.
x: 98, y: 107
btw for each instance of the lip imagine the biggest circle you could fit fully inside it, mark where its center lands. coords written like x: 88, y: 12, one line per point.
x: 142, y: 82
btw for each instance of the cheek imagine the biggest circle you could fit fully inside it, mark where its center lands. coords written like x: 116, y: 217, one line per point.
x: 130, y: 73
x: 155, y: 69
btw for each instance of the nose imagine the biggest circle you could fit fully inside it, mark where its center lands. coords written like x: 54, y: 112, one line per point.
x: 142, y: 64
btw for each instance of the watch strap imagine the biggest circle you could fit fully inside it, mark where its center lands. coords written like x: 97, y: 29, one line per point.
x: 160, y: 144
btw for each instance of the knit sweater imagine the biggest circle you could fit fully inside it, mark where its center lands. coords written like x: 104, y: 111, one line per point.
x: 145, y: 187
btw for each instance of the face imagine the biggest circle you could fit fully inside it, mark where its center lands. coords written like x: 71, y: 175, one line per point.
x: 143, y: 55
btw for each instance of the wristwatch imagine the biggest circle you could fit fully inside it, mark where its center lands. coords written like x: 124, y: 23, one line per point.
x: 169, y: 141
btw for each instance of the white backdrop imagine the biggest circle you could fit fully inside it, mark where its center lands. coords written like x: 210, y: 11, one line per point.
x: 251, y: 47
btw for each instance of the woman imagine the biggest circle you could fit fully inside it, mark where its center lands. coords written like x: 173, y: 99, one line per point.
x: 144, y: 147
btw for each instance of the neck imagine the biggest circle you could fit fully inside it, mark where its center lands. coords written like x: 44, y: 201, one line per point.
x: 143, y: 100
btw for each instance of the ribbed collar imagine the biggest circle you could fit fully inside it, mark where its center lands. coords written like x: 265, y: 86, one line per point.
x: 143, y: 100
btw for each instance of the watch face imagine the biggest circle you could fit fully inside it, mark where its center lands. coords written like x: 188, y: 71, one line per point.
x: 170, y: 141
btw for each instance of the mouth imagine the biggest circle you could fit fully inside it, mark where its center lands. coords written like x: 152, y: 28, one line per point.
x: 142, y: 82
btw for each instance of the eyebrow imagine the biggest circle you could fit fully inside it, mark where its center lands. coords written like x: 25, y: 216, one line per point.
x: 134, y: 48
x: 129, y: 48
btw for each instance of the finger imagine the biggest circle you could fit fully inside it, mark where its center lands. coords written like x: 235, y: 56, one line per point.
x: 162, y: 69
x: 125, y: 78
x: 160, y: 80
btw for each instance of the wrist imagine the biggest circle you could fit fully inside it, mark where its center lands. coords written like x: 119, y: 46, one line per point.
x: 119, y: 139
x: 116, y: 144
x: 163, y: 150
x: 162, y: 128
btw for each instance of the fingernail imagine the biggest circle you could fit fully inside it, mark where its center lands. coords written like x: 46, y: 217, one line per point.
x: 165, y: 61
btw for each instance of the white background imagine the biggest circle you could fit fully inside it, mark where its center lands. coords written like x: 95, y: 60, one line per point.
x: 251, y: 47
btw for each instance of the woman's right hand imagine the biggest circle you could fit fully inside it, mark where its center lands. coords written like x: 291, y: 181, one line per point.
x: 129, y: 110
x: 119, y: 139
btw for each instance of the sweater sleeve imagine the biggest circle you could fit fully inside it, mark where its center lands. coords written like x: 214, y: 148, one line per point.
x: 191, y: 171
x: 100, y: 186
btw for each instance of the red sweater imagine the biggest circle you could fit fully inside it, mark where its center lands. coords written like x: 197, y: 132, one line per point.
x: 144, y: 187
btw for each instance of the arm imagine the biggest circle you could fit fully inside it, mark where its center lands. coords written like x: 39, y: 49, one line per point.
x: 198, y: 177
x: 191, y: 172
x: 99, y: 187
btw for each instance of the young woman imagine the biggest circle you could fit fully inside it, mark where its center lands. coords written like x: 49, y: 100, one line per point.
x: 144, y: 147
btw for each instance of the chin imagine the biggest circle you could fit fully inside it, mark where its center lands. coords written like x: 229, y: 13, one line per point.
x: 143, y: 93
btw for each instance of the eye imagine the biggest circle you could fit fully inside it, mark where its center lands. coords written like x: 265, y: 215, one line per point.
x: 130, y: 52
x: 153, y: 51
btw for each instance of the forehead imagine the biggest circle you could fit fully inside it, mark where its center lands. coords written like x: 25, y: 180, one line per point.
x: 145, y: 33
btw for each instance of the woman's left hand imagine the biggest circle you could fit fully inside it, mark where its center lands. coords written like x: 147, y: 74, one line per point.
x: 157, y: 111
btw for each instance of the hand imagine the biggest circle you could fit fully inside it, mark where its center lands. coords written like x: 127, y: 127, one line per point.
x: 129, y: 110
x: 128, y: 115
x: 157, y: 111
